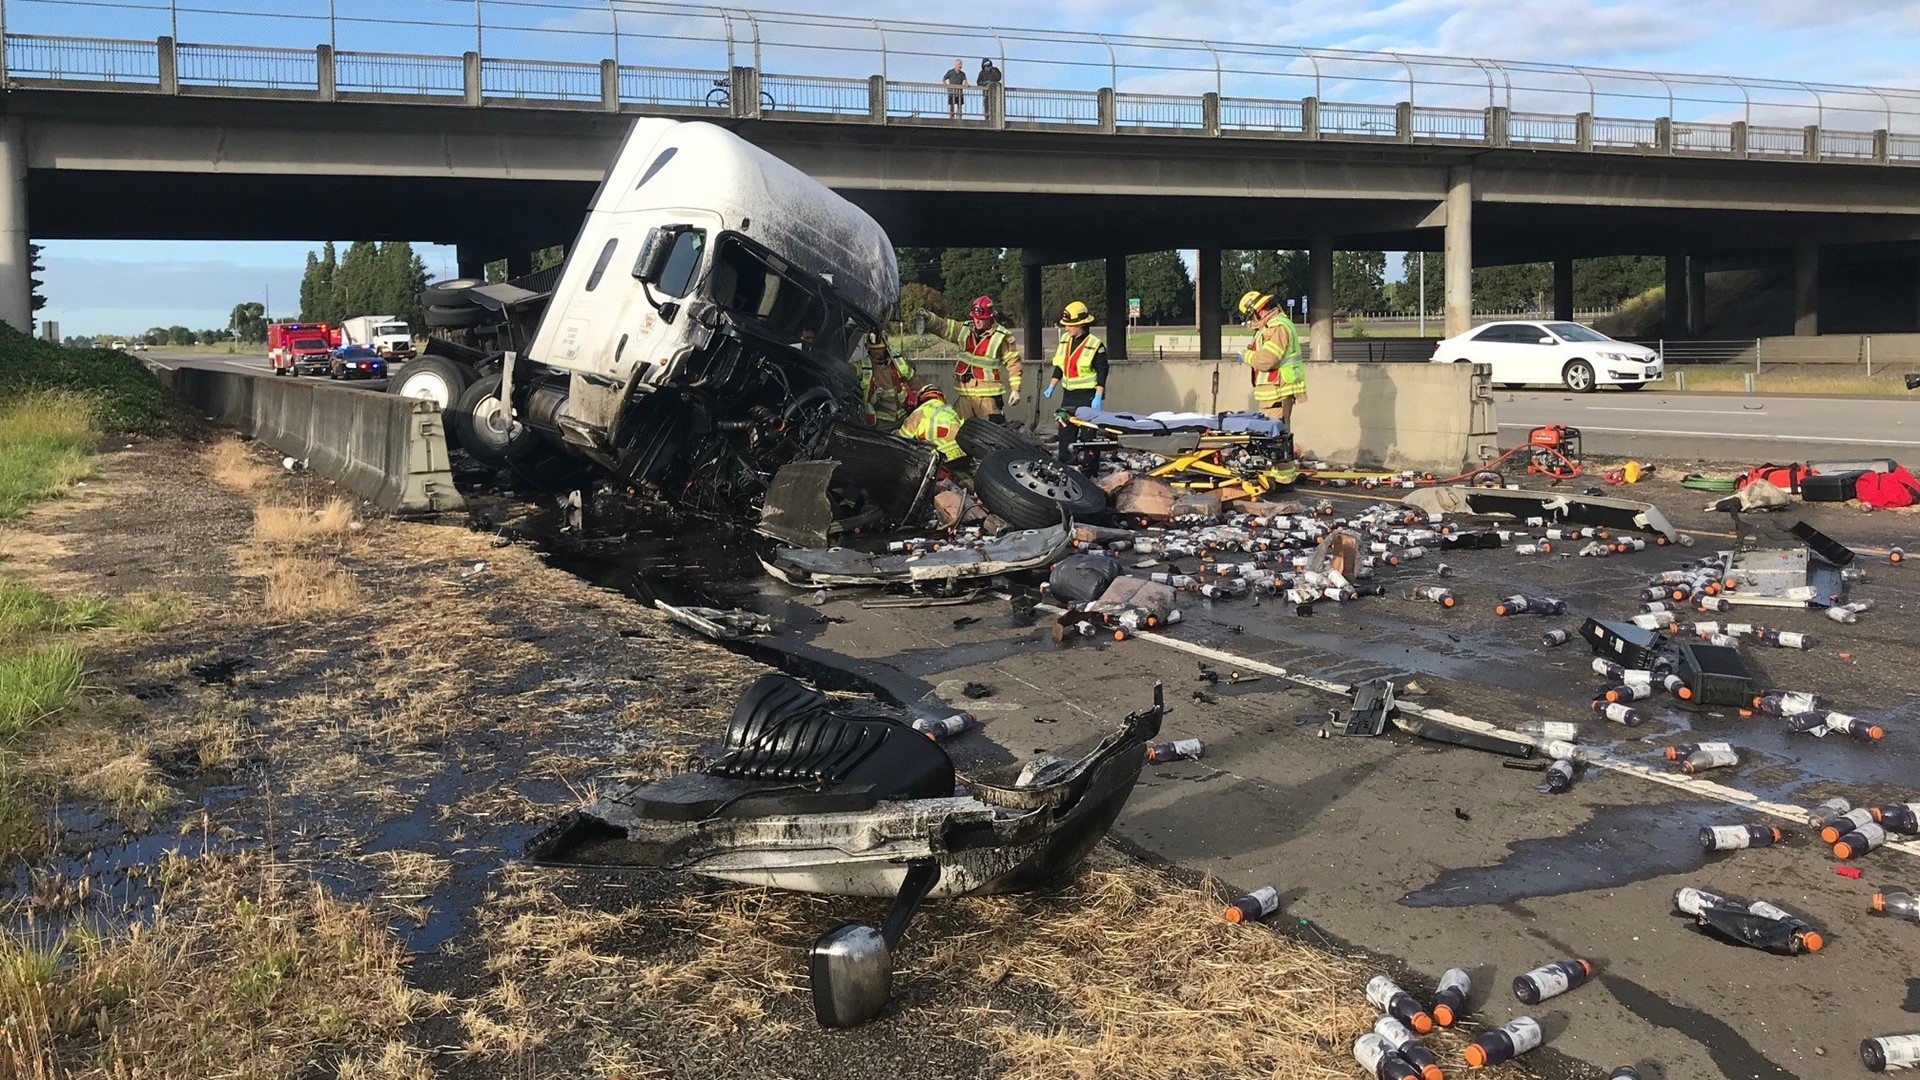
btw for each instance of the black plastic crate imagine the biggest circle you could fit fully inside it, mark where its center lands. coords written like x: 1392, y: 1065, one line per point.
x: 1716, y: 674
x: 1622, y: 642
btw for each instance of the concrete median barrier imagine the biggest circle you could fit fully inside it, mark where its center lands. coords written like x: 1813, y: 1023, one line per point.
x: 385, y: 448
x: 1434, y: 417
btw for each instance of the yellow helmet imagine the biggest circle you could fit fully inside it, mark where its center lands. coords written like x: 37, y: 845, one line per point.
x: 1254, y: 300
x: 1076, y: 314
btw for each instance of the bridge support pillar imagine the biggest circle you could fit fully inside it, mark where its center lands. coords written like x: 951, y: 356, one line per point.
x: 1459, y: 250
x: 1206, y: 301
x: 1696, y: 296
x: 1320, y: 298
x: 470, y: 260
x: 16, y: 286
x: 1563, y: 289
x: 1806, y: 288
x: 1032, y: 320
x: 1674, y: 317
x: 1116, y: 307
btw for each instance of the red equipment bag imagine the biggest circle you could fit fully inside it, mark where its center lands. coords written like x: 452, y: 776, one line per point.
x: 1785, y: 477
x: 1887, y: 490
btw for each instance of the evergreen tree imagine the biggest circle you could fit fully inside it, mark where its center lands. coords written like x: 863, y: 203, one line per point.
x: 1056, y: 290
x: 1090, y: 287
x: 248, y: 321
x: 1359, y: 278
x: 971, y: 272
x: 920, y: 266
x: 35, y: 268
x: 1164, y: 287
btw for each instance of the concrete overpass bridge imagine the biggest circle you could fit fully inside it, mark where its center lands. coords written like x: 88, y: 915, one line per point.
x: 1096, y: 146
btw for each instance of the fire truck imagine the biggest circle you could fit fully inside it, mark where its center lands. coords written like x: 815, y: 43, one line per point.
x: 301, y: 348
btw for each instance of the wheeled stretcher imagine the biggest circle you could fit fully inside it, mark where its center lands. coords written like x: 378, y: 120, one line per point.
x: 1235, y: 454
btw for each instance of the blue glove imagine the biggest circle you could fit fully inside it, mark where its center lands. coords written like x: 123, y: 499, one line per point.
x: 1048, y: 392
x: 1098, y: 397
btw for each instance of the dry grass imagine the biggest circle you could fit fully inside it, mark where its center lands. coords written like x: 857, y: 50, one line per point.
x: 296, y: 526
x: 414, y: 871
x: 299, y: 587
x: 1840, y: 380
x: 229, y: 464
x: 129, y: 784
x: 247, y: 972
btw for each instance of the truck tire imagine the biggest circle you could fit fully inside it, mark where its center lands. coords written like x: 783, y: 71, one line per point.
x: 450, y: 293
x: 1032, y: 491
x: 436, y: 379
x: 456, y: 318
x: 485, y: 432
x: 982, y: 437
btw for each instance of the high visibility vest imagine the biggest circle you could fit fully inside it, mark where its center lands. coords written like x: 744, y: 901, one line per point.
x: 1076, y: 364
x: 883, y: 393
x: 935, y: 422
x: 982, y: 373
x: 1277, y: 339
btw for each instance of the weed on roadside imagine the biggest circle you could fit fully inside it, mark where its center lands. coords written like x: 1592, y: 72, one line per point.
x: 36, y: 682
x: 46, y: 442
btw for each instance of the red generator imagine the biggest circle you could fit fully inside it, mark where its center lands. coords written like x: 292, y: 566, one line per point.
x: 1554, y: 451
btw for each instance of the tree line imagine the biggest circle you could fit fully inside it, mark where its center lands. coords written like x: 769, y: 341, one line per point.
x: 370, y: 279
x: 946, y: 280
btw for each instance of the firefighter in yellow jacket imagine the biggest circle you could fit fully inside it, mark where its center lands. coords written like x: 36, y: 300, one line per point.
x: 986, y: 381
x: 935, y: 422
x: 1279, y: 376
x: 1080, y: 369
x: 886, y: 384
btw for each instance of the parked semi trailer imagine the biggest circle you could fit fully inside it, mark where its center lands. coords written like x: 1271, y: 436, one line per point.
x: 696, y: 339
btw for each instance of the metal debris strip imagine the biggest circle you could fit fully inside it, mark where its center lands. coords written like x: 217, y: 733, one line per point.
x: 722, y: 625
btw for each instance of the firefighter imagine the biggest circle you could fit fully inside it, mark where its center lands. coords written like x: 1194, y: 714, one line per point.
x: 1279, y: 377
x: 886, y: 384
x: 1079, y: 369
x: 935, y: 422
x: 987, y: 379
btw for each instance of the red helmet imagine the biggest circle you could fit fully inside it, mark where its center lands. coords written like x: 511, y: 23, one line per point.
x: 982, y: 307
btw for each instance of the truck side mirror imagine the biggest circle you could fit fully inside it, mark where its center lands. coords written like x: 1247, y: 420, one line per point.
x: 655, y: 252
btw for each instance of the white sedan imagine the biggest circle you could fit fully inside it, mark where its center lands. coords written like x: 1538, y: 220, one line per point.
x: 1575, y: 356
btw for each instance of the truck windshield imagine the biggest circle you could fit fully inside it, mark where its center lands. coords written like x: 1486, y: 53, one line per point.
x: 310, y: 343
x: 746, y: 283
x: 392, y: 329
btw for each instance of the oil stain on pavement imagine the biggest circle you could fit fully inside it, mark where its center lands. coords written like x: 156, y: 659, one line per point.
x: 1616, y: 846
x: 1735, y: 1055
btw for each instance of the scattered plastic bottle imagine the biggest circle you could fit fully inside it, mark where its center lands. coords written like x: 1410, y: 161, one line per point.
x: 1618, y: 713
x: 1542, y: 548
x: 1899, y: 817
x: 1257, y: 904
x: 1554, y: 638
x: 1653, y: 620
x: 1787, y: 702
x: 1627, y: 545
x: 1387, y: 996
x: 1450, y: 999
x: 1737, y: 837
x: 1224, y: 590
x: 1550, y: 730
x: 1551, y: 980
x: 1783, y: 639
x: 1828, y: 811
x: 1713, y: 603
x: 1852, y: 726
x: 1890, y: 1052
x: 1677, y: 686
x: 1409, y: 1046
x: 1624, y: 1072
x: 1835, y: 828
x: 1628, y: 692
x: 1896, y: 555
x: 1701, y: 760
x: 1607, y: 669
x: 1381, y: 1060
x: 1843, y: 615
x: 944, y: 727
x: 1559, y: 778
x: 1530, y: 605
x: 1655, y: 592
x: 1900, y: 905
x: 1691, y: 901
x: 1178, y: 581
x: 1860, y: 841
x: 1653, y: 607
x: 1680, y: 751
x: 1435, y: 594
x: 1504, y: 1043
x: 1177, y: 750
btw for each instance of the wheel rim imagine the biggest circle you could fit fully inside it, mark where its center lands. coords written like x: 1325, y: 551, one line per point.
x: 491, y: 421
x: 1579, y: 377
x: 428, y: 385
x: 1043, y: 476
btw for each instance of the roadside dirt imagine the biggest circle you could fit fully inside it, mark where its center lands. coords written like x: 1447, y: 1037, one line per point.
x: 379, y: 713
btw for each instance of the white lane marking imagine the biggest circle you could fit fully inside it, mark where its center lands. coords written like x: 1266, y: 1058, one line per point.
x: 1591, y: 756
x: 1706, y: 412
x: 1822, y: 439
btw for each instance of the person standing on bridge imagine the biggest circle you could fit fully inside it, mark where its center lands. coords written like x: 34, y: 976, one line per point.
x: 1274, y: 355
x: 956, y: 80
x: 987, y: 379
x: 1079, y: 369
x: 989, y: 74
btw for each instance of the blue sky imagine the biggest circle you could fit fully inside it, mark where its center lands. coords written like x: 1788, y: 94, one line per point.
x: 112, y: 287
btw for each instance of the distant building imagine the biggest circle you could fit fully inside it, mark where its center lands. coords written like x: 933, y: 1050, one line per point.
x: 50, y: 330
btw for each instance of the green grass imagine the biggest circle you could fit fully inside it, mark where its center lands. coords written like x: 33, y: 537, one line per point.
x: 26, y: 610
x: 46, y: 443
x: 121, y: 393
x: 35, y: 683
x: 1717, y: 378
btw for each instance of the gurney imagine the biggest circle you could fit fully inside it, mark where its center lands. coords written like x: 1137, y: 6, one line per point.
x: 1236, y: 454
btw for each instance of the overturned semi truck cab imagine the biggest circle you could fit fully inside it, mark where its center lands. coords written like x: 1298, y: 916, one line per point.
x: 697, y: 339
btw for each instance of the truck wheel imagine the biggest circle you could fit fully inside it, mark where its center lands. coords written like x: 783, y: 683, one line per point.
x: 980, y: 438
x: 1031, y: 491
x: 449, y: 293
x: 457, y: 318
x: 436, y: 379
x: 487, y: 432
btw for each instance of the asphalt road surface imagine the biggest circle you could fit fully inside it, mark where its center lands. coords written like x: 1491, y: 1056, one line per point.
x: 1430, y: 856
x: 1718, y: 427
x: 247, y: 363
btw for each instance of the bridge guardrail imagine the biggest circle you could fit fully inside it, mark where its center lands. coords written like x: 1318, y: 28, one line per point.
x: 74, y: 62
